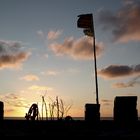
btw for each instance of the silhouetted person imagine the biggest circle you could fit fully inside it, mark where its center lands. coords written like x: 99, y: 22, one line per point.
x: 27, y: 116
x: 32, y: 113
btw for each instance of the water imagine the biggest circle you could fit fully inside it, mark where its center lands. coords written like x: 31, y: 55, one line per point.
x: 22, y: 118
x: 74, y: 118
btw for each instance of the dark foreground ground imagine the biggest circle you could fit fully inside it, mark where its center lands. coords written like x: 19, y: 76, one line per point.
x: 67, y: 128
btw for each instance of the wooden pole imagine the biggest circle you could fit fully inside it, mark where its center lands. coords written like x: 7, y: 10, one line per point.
x: 95, y: 64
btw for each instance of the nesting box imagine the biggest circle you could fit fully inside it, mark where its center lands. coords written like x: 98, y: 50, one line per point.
x: 92, y: 112
x: 125, y: 109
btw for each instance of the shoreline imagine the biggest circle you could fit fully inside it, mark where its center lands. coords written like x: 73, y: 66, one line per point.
x: 74, y: 118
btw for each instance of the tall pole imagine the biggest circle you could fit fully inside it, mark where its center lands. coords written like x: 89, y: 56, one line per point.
x: 86, y: 21
x: 95, y: 64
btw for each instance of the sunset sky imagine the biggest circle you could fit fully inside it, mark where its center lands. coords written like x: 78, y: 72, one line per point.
x: 43, y: 53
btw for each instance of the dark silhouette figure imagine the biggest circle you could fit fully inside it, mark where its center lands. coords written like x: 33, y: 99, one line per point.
x: 32, y: 113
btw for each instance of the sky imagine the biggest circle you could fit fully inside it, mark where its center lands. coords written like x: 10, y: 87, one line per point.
x: 44, y: 53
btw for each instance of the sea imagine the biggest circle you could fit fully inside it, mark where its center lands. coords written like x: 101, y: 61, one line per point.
x: 74, y: 118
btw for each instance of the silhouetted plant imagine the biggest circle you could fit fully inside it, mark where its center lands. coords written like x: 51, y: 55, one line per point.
x: 44, y: 103
x: 62, y: 109
x: 51, y: 109
x: 57, y: 107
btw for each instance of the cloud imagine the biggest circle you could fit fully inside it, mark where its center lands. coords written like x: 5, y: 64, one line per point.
x: 124, y: 24
x: 128, y: 2
x: 30, y: 77
x: 122, y: 85
x: 41, y: 34
x: 14, y: 100
x: 51, y: 73
x: 81, y: 48
x: 46, y: 55
x: 39, y: 88
x: 114, y: 71
x: 54, y: 34
x: 132, y: 83
x: 9, y: 110
x: 11, y: 54
x: 106, y: 102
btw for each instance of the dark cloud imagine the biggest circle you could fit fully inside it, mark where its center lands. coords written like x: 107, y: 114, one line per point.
x: 124, y: 24
x: 132, y: 83
x: 114, y: 71
x: 122, y: 85
x: 11, y: 54
x: 81, y: 48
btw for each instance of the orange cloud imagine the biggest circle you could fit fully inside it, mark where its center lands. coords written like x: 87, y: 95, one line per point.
x: 122, y: 85
x: 124, y: 24
x: 53, y: 34
x: 14, y: 100
x: 81, y: 48
x: 39, y: 88
x: 51, y: 73
x: 9, y: 111
x: 30, y: 77
x: 106, y: 102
